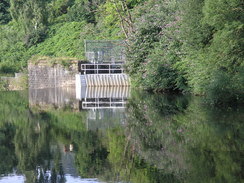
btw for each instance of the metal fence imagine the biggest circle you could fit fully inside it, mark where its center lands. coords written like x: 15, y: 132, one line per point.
x: 105, y: 51
x: 101, y: 68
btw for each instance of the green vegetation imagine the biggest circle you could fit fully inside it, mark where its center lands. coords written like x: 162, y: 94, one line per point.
x: 51, y: 61
x: 185, y: 46
x: 214, y: 35
x: 4, y: 12
x: 189, y: 45
x: 3, y: 85
x: 48, y: 28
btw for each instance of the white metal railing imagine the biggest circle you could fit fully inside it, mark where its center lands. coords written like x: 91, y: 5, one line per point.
x: 102, y: 68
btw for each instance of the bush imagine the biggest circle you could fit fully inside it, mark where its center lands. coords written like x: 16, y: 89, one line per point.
x: 82, y: 11
x: 154, y: 48
x: 4, y: 12
x: 13, y: 54
x: 7, y: 68
x: 221, y: 88
x: 213, y: 39
x: 3, y: 85
x: 224, y: 88
x: 34, y: 37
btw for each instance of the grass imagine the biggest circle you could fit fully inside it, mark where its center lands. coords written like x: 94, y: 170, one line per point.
x: 51, y: 61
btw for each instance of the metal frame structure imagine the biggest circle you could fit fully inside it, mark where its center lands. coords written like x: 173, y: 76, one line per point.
x: 105, y: 51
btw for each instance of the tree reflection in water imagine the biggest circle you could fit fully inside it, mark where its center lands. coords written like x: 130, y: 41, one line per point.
x: 163, y: 138
x: 191, y: 141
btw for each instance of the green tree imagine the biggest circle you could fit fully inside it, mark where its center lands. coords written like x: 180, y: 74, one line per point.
x: 58, y: 10
x: 13, y: 53
x: 195, y: 34
x: 213, y: 56
x: 84, y: 10
x: 32, y: 16
x: 154, y: 47
x: 5, y: 16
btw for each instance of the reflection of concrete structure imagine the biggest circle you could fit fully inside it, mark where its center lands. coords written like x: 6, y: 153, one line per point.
x: 68, y: 162
x: 102, y: 97
x: 105, y: 106
x: 90, y: 97
x: 52, y: 82
x: 56, y: 97
x: 105, y: 118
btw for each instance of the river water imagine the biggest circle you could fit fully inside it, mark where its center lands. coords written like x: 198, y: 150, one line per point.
x: 118, y: 135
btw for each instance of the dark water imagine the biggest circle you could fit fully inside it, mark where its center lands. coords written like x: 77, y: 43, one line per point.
x: 50, y: 137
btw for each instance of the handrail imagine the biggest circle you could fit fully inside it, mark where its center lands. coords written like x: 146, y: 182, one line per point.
x: 105, y: 69
x: 111, y: 68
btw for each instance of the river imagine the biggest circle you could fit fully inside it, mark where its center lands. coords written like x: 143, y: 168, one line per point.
x: 118, y: 135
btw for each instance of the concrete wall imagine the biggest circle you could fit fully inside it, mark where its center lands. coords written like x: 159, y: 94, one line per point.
x: 44, y: 75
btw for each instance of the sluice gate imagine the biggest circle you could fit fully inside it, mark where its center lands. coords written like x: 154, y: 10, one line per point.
x: 105, y: 65
x: 106, y: 75
x: 100, y: 80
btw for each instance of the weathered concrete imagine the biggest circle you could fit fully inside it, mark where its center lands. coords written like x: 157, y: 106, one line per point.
x: 44, y: 75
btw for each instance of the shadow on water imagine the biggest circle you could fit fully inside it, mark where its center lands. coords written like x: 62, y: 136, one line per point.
x: 51, y: 137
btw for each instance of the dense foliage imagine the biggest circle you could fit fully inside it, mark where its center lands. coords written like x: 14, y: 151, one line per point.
x: 172, y: 45
x: 194, y: 45
x: 213, y: 47
x: 4, y: 12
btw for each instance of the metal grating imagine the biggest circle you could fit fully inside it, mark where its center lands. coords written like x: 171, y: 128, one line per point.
x: 105, y: 51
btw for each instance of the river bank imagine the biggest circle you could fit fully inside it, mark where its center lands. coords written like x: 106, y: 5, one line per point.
x: 16, y: 82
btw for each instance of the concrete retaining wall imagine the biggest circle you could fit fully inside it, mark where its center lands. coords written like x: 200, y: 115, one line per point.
x: 44, y: 75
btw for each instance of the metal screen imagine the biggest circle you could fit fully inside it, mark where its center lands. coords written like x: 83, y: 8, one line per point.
x: 105, y: 51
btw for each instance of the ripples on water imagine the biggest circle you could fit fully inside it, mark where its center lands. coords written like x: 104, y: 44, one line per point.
x: 103, y: 135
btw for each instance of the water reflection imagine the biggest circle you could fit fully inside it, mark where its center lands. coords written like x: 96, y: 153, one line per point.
x: 154, y: 138
x: 103, y: 97
x: 53, y: 97
x: 81, y: 98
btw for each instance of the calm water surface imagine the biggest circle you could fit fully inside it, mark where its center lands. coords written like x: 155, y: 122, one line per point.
x: 102, y: 136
